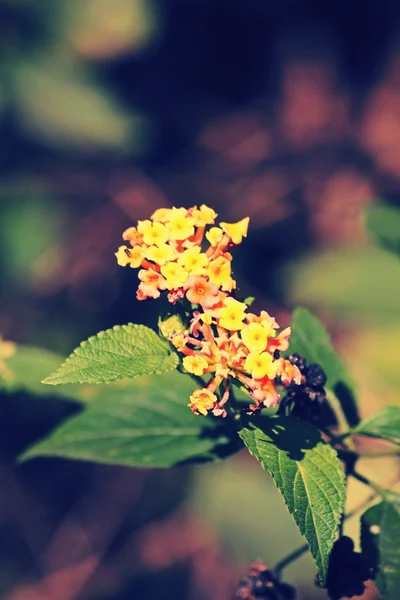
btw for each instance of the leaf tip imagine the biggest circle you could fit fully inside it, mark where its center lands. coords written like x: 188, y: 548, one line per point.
x: 50, y: 380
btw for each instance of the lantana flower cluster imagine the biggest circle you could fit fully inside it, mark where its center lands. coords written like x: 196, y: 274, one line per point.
x: 223, y: 341
x: 168, y: 248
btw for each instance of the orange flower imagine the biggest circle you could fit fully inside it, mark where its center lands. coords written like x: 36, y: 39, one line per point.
x: 288, y: 372
x: 265, y: 393
x: 200, y: 291
x: 151, y: 284
x: 281, y: 342
x: 132, y: 235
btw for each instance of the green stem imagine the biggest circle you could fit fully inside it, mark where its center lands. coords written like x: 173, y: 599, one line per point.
x: 377, y: 488
x: 199, y: 380
x: 379, y: 453
x: 334, y: 439
x: 337, y: 409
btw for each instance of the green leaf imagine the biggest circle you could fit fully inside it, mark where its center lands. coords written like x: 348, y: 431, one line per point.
x: 309, y: 475
x: 383, y: 222
x: 384, y: 424
x: 311, y: 340
x: 123, y: 352
x: 380, y: 535
x: 141, y: 423
x: 82, y: 115
x: 249, y: 301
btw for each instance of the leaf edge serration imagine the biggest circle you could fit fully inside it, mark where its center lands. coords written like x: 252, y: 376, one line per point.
x: 337, y: 517
x: 54, y: 378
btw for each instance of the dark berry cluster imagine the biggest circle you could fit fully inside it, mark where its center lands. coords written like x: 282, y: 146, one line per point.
x: 308, y: 399
x: 348, y: 571
x: 261, y: 583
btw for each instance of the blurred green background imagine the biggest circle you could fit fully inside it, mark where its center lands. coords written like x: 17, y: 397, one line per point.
x: 288, y: 113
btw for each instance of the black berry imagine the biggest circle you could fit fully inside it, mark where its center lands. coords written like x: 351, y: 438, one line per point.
x: 315, y: 376
x: 262, y: 583
x: 348, y: 570
x: 265, y: 589
x: 297, y: 360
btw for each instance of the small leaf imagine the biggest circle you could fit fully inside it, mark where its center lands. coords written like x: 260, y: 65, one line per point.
x: 249, y: 301
x: 141, y: 423
x: 171, y: 325
x: 380, y: 535
x: 383, y: 222
x: 309, y: 475
x: 384, y: 424
x: 311, y: 340
x: 124, y: 352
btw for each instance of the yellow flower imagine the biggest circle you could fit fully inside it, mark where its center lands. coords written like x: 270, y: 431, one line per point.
x: 174, y: 274
x: 207, y: 319
x: 202, y: 401
x: 180, y: 225
x: 129, y: 256
x: 214, y: 236
x: 153, y: 233
x: 219, y: 272
x: 255, y: 337
x: 161, y: 214
x: 260, y: 365
x: 195, y: 364
x: 236, y: 231
x: 179, y: 340
x: 160, y: 254
x: 269, y: 323
x: 193, y: 260
x: 232, y: 314
x: 204, y: 216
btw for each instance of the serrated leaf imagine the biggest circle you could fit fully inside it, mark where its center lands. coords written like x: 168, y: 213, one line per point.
x: 123, y: 352
x: 384, y: 424
x: 141, y: 423
x: 383, y: 222
x: 311, y: 340
x: 380, y: 535
x: 309, y: 475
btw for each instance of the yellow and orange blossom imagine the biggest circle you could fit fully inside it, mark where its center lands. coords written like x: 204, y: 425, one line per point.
x: 171, y: 243
x: 184, y: 254
x: 201, y: 401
